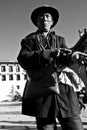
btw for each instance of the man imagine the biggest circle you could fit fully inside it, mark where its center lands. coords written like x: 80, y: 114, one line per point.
x: 40, y: 57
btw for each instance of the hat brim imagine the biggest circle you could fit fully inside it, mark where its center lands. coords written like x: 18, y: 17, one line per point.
x: 45, y: 9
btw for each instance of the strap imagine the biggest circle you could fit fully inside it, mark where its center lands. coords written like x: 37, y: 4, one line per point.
x: 55, y: 43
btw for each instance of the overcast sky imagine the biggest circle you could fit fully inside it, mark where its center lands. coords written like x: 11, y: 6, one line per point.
x: 15, y: 22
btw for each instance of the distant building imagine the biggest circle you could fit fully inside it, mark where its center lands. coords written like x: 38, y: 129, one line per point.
x: 12, y: 80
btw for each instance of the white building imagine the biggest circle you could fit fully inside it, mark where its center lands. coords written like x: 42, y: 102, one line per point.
x: 12, y: 79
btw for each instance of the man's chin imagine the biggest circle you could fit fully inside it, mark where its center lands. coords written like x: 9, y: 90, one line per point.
x: 46, y: 29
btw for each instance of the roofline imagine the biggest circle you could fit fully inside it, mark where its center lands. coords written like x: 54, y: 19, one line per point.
x: 8, y: 62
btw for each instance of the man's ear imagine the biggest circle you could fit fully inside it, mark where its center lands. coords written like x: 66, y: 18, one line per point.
x: 51, y: 23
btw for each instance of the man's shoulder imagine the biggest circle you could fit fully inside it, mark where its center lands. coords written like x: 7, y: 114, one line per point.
x: 30, y: 36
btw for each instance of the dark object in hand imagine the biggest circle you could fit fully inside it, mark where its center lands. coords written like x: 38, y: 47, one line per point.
x: 54, y: 54
x: 65, y: 57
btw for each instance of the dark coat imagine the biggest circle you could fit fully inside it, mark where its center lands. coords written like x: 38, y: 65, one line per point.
x: 32, y: 60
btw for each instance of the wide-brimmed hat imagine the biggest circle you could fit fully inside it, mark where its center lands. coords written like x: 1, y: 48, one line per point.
x: 45, y: 9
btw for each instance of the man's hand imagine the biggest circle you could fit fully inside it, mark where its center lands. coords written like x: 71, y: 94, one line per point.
x: 46, y: 53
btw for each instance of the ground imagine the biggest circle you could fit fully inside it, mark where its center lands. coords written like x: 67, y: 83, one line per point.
x: 12, y: 119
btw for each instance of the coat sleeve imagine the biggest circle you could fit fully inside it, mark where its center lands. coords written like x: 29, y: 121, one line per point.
x: 30, y: 58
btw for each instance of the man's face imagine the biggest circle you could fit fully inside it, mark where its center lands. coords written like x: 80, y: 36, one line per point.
x: 44, y: 21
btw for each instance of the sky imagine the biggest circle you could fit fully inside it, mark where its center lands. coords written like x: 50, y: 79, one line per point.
x: 15, y: 22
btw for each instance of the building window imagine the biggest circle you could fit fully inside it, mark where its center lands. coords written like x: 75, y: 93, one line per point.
x: 25, y: 76
x: 3, y: 68
x: 3, y: 77
x: 18, y: 76
x: 10, y: 68
x: 17, y: 68
x: 10, y: 77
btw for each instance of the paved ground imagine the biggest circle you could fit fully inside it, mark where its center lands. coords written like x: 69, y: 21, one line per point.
x: 12, y: 119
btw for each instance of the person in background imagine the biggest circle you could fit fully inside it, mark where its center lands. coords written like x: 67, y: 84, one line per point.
x: 46, y: 96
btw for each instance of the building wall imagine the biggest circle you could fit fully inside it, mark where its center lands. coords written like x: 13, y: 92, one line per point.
x: 12, y: 80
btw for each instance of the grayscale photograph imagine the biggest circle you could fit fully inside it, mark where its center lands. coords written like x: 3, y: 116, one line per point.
x: 43, y: 65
